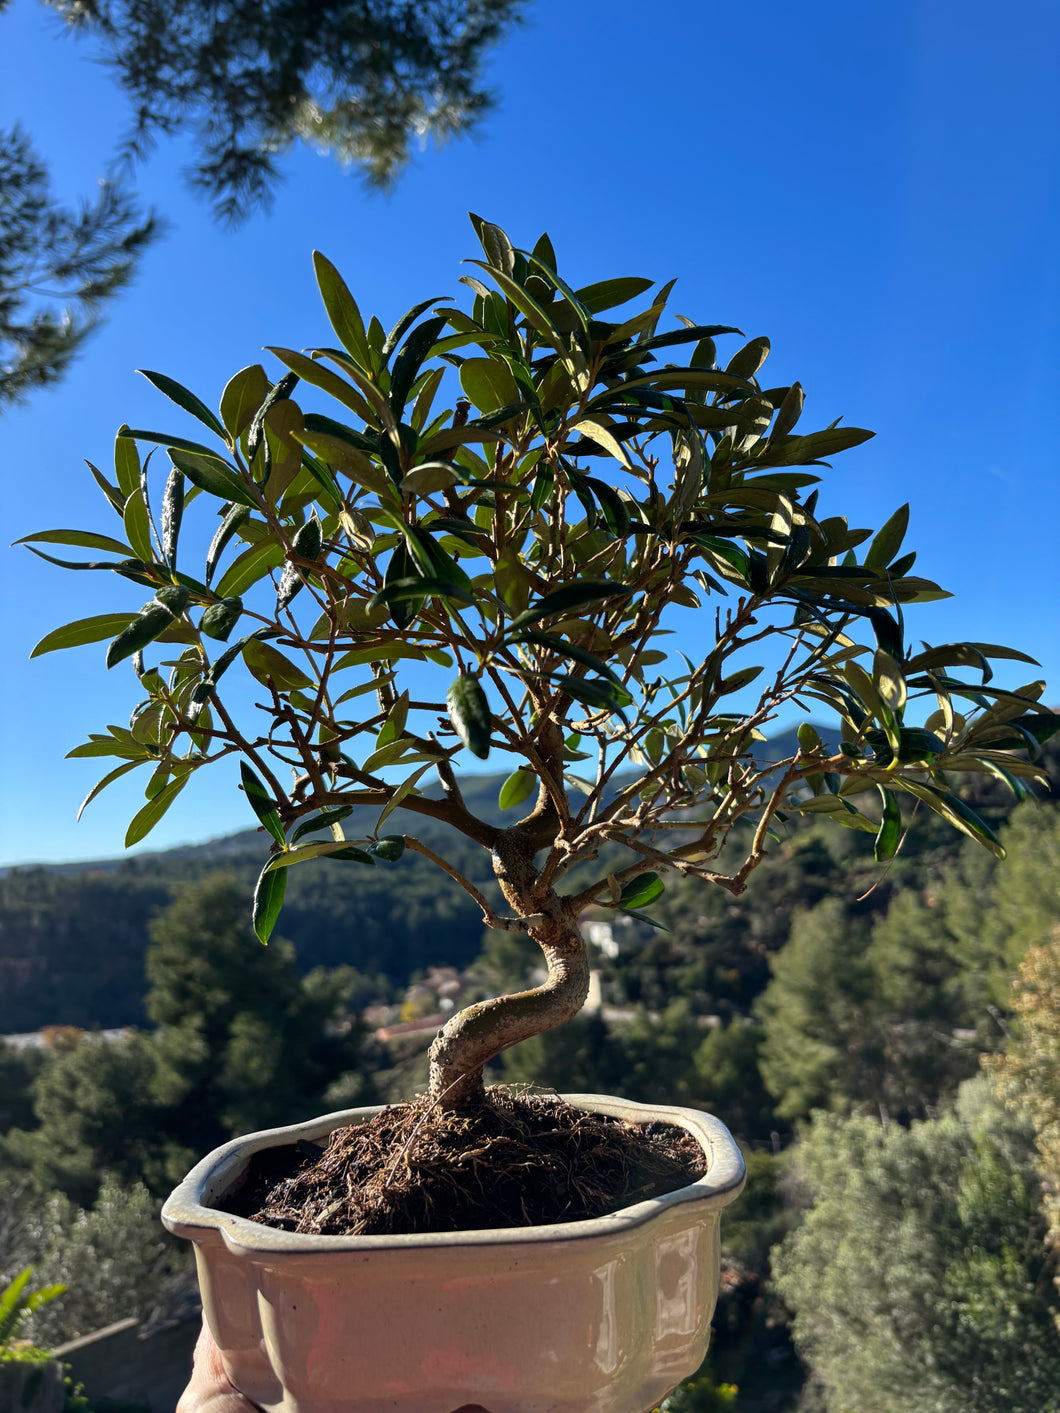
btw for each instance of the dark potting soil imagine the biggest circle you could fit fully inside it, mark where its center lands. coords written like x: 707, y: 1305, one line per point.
x: 519, y: 1160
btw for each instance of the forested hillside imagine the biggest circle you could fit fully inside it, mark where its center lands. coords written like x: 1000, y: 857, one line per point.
x: 72, y: 937
x: 836, y: 1016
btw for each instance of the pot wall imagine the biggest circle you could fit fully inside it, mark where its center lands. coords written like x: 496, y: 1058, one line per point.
x: 604, y: 1316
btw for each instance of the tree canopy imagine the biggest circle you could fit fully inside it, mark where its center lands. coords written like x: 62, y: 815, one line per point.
x: 553, y: 647
x: 919, y: 1275
x: 58, y: 267
x: 360, y: 79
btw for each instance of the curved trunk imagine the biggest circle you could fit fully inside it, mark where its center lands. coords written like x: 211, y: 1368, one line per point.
x: 472, y: 1037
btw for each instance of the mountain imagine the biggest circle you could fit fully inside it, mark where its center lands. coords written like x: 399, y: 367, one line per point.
x: 73, y: 936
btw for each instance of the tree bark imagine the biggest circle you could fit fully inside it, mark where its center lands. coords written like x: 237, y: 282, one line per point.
x: 474, y: 1036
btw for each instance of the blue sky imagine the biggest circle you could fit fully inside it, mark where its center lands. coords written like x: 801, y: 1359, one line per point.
x: 875, y: 187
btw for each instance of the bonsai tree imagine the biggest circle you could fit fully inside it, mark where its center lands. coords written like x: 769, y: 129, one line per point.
x: 470, y: 536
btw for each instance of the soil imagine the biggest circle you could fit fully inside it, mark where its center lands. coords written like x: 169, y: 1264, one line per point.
x: 518, y: 1160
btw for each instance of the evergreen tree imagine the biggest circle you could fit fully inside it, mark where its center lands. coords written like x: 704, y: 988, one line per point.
x: 360, y: 79
x: 728, y: 1080
x: 18, y: 1071
x: 95, y: 1115
x: 815, y: 1012
x: 58, y: 268
x: 586, y: 1053
x: 1027, y: 1076
x: 241, y: 1040
x: 114, y: 1258
x: 1023, y: 902
x: 919, y: 1275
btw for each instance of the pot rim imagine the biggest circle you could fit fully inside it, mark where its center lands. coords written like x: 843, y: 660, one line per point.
x: 186, y: 1211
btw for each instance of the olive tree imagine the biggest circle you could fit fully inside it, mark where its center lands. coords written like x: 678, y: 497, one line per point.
x: 479, y: 547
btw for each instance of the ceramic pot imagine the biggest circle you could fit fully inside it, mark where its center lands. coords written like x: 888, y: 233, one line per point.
x: 601, y: 1316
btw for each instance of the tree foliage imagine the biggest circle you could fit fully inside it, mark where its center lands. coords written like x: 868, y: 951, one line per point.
x: 1027, y: 1075
x: 918, y: 1276
x: 340, y: 558
x: 58, y: 267
x: 112, y: 1257
x: 361, y: 81
x: 241, y: 1040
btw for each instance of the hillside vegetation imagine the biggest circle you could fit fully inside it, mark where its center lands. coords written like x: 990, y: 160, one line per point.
x: 836, y: 1018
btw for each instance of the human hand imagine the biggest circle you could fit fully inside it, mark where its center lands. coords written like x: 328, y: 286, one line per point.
x: 209, y: 1390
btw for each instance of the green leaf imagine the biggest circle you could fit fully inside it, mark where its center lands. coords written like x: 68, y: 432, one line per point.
x: 603, y: 437
x: 889, y: 680
x: 243, y: 395
x: 643, y: 917
x: 410, y: 590
x: 570, y: 650
x: 324, y: 820
x: 890, y: 827
x: 134, y: 569
x: 262, y: 803
x: 704, y: 379
x: 581, y: 312
x: 138, y: 525
x: 332, y: 848
x: 126, y: 463
x: 403, y: 790
x: 737, y: 680
x: 381, y: 652
x: 150, y: 623
x: 469, y: 711
x: 807, y: 737
x: 489, y: 383
x: 145, y: 820
x: 608, y: 294
x: 84, y: 539
x: 220, y: 618
x: 397, y: 333
x: 130, y: 434
x: 410, y: 358
x: 568, y: 597
x: 888, y: 540
x: 641, y: 891
x: 253, y: 564
x: 494, y: 242
x: 112, y: 493
x: 342, y: 310
x: 798, y: 451
x: 268, y: 900
x: 746, y: 362
x: 519, y: 786
x: 101, y: 785
x: 531, y: 311
x: 227, y: 528
x: 186, y: 400
x: 428, y: 477
x: 212, y: 475
x: 337, y: 387
x: 265, y: 662
x: 84, y: 630
x: 594, y: 692
x: 953, y: 809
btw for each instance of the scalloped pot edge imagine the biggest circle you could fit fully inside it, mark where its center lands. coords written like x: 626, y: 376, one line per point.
x: 601, y: 1316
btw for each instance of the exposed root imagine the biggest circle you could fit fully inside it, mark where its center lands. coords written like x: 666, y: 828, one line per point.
x: 517, y: 1160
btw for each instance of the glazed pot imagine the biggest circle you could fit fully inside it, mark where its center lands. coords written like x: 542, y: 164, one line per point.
x: 601, y: 1316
